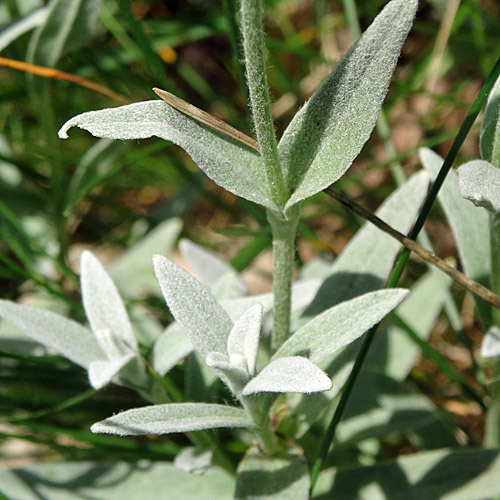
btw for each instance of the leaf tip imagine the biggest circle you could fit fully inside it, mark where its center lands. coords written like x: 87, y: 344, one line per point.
x: 63, y: 131
x: 94, y: 428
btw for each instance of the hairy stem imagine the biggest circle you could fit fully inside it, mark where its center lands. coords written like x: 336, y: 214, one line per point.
x: 268, y: 439
x: 284, y: 231
x: 253, y: 46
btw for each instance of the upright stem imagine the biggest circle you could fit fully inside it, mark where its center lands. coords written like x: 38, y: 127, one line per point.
x: 268, y: 439
x: 254, y: 49
x: 284, y: 230
x: 284, y: 226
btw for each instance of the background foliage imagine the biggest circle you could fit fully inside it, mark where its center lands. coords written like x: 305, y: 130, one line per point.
x: 57, y: 198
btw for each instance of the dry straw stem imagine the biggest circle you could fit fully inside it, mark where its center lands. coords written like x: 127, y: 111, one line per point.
x: 205, y: 118
x: 62, y: 75
x: 429, y: 257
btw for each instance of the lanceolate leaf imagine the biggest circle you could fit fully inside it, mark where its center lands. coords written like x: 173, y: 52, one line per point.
x: 479, y: 182
x: 193, y: 306
x: 340, y: 325
x: 194, y: 460
x: 164, y: 419
x: 63, y: 335
x: 103, y: 305
x: 327, y: 134
x: 293, y: 374
x: 226, y: 161
x: 233, y: 375
x: 302, y: 294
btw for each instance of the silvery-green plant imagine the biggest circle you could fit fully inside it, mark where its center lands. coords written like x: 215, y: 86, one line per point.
x: 313, y: 321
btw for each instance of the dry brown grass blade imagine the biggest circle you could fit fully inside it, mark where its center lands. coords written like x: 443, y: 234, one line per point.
x: 206, y: 118
x: 62, y: 75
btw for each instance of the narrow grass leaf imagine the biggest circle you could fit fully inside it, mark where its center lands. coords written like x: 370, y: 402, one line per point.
x: 227, y: 162
x: 194, y: 307
x: 95, y: 165
x: 382, y: 407
x: 103, y: 305
x: 199, y: 379
x: 479, y: 182
x: 165, y: 419
x: 340, y: 325
x: 470, y: 225
x: 291, y: 374
x: 63, y: 335
x: 327, y: 134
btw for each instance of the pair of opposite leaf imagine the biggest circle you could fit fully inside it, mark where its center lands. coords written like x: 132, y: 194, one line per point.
x: 316, y: 149
x: 319, y: 144
x: 231, y: 349
x: 108, y: 350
